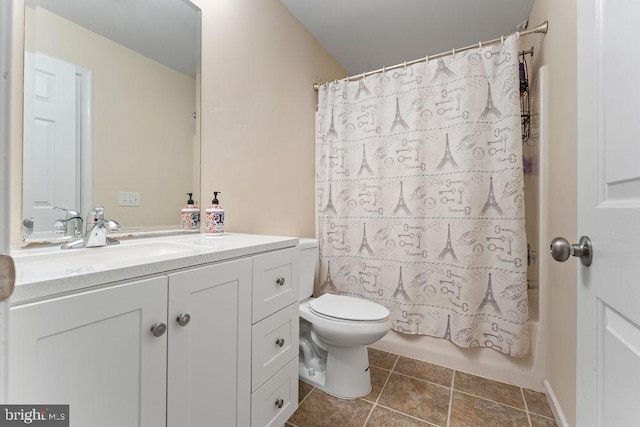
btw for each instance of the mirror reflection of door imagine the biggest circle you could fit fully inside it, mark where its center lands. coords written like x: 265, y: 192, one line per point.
x: 53, y: 141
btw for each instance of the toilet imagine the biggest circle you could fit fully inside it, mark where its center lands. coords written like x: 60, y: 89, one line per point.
x: 335, y: 331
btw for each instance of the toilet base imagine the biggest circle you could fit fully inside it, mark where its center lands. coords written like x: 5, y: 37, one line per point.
x: 347, y: 374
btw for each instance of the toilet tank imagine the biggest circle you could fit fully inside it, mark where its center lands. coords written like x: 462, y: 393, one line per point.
x: 309, y: 258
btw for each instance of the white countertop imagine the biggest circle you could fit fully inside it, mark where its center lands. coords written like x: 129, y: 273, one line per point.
x: 50, y: 271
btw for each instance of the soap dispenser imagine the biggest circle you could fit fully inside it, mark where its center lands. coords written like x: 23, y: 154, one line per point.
x: 190, y: 215
x: 214, y: 217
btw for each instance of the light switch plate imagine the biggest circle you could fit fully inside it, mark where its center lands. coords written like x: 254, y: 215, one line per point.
x: 129, y: 198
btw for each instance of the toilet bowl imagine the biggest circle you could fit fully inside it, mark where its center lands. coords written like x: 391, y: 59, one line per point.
x: 335, y: 331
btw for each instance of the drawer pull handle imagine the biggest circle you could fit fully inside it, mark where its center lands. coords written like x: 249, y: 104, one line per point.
x: 158, y: 329
x: 183, y: 319
x: 279, y: 403
x: 280, y: 342
x: 280, y: 281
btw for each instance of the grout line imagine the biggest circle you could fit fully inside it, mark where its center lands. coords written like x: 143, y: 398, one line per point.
x: 526, y: 406
x: 493, y: 401
x: 420, y: 379
x: 305, y: 398
x: 379, y: 394
x: 453, y: 380
x: 407, y: 415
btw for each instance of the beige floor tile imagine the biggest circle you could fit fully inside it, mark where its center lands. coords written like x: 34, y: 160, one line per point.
x: 383, y: 417
x: 382, y: 359
x: 537, y: 403
x: 471, y: 411
x: 303, y: 390
x: 322, y: 410
x: 424, y: 371
x: 538, y: 421
x: 488, y: 389
x: 417, y: 398
x: 378, y: 378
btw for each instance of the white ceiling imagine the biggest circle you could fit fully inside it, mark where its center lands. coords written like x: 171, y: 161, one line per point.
x: 167, y: 31
x: 364, y: 35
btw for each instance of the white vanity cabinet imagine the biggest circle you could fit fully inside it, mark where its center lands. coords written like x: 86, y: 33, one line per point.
x: 96, y: 351
x: 274, y: 338
x: 206, y: 344
x: 208, y: 356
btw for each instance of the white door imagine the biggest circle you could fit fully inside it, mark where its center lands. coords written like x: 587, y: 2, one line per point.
x: 95, y: 352
x: 608, y: 376
x: 209, y: 366
x: 50, y: 147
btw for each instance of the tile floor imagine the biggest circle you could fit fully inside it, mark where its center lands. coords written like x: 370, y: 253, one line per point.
x: 408, y: 392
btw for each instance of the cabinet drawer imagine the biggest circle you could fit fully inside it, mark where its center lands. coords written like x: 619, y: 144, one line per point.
x: 275, y: 342
x: 275, y: 282
x: 280, y: 390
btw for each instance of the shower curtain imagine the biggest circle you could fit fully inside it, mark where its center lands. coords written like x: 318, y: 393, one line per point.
x: 420, y: 197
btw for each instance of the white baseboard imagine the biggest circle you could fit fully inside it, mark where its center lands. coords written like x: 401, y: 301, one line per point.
x: 555, y: 405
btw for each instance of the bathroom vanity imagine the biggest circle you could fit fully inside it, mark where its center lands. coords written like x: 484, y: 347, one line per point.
x: 175, y: 331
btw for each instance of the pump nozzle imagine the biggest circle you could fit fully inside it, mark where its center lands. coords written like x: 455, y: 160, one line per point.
x: 190, y: 201
x: 215, y: 197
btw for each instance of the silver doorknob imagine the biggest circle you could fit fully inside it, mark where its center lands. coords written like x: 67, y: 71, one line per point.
x: 280, y: 342
x: 279, y: 403
x: 561, y: 250
x: 183, y: 319
x: 158, y: 329
x: 280, y: 281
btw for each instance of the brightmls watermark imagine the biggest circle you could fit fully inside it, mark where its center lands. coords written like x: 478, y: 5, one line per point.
x: 34, y: 415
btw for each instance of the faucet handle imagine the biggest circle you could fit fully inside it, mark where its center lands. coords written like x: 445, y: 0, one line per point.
x: 95, y: 215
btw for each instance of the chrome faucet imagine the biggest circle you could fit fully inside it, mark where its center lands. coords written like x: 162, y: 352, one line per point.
x: 71, y: 225
x: 96, y: 228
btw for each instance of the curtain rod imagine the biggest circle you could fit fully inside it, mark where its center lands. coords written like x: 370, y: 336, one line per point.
x: 542, y: 28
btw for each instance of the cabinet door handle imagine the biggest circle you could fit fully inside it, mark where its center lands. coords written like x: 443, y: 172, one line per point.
x: 279, y: 403
x: 158, y: 329
x: 280, y: 281
x: 280, y: 342
x: 183, y: 319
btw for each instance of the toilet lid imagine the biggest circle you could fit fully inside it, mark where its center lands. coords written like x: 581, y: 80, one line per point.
x: 348, y: 308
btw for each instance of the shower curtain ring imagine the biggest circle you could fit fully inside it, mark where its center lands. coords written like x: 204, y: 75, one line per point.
x: 348, y: 77
x: 453, y: 53
x: 384, y: 70
x: 479, y: 45
x: 405, y: 65
x: 426, y: 59
x: 518, y: 35
x: 502, y: 39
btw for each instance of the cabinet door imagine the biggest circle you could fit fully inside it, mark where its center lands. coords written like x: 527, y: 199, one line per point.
x: 209, y: 369
x: 95, y: 352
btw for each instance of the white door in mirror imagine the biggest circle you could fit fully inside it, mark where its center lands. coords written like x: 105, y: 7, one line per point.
x: 50, y: 153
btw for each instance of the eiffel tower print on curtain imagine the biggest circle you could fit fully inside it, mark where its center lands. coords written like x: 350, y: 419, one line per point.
x: 364, y: 246
x: 400, y: 289
x: 401, y: 204
x: 490, y: 108
x: 491, y: 200
x: 448, y: 248
x: 398, y: 121
x: 442, y: 70
x: 332, y: 134
x: 489, y: 299
x: 365, y: 165
x: 330, y: 207
x: 362, y: 89
x: 447, y: 158
x: 327, y: 285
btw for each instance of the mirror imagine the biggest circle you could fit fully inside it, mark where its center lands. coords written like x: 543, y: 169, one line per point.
x: 111, y: 112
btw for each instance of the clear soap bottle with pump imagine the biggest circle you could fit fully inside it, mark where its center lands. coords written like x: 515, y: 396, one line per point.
x: 214, y: 217
x: 190, y: 215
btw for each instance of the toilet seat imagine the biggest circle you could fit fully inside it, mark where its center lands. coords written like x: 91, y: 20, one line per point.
x: 344, y: 307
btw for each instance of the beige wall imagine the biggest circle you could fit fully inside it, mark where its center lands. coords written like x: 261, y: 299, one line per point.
x: 258, y: 143
x: 559, y: 52
x: 143, y: 129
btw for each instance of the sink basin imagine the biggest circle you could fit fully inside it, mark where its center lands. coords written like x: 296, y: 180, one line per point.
x: 41, y: 265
